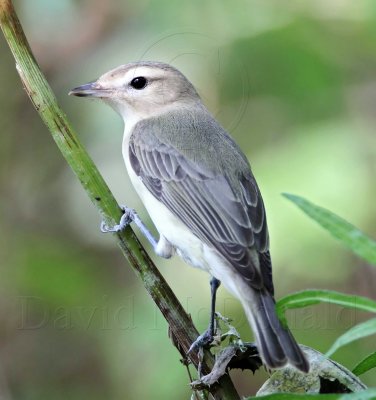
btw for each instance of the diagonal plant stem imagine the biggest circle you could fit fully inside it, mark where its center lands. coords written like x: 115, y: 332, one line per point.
x: 78, y: 159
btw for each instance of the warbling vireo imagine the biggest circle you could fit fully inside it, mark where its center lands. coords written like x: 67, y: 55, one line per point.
x: 199, y: 190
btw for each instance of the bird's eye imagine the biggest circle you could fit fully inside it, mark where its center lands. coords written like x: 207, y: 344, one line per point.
x: 139, y: 83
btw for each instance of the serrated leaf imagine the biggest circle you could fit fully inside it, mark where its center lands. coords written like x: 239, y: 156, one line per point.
x: 310, y: 297
x: 359, y: 331
x: 369, y: 394
x: 365, y: 365
x: 348, y: 234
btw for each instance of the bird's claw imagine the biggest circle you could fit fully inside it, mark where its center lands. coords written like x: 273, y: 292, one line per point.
x: 202, y: 341
x: 127, y: 217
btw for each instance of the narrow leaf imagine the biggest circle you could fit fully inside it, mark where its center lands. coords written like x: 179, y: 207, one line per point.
x: 365, y: 365
x: 348, y: 234
x: 310, y: 297
x: 357, y: 332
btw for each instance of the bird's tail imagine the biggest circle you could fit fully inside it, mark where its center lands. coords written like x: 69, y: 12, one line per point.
x: 276, y: 345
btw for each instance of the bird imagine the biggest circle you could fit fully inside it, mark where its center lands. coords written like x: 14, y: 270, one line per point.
x: 199, y: 190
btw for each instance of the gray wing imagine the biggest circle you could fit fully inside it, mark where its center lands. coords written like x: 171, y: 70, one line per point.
x: 231, y: 219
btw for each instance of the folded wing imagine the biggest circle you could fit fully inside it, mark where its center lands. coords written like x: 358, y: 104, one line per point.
x: 226, y: 213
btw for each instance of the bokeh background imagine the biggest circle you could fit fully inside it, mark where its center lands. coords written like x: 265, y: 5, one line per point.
x: 295, y: 84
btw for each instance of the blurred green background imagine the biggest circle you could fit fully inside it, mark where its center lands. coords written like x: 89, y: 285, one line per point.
x: 295, y: 84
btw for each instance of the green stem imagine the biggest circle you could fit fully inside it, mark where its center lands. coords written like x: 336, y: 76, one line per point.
x: 45, y: 103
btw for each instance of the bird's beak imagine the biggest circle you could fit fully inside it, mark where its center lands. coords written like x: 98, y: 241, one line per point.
x: 91, y: 89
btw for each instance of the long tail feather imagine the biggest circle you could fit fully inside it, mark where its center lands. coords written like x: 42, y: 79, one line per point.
x: 276, y: 345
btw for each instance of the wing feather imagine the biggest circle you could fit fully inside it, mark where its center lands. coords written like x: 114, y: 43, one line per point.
x: 226, y: 214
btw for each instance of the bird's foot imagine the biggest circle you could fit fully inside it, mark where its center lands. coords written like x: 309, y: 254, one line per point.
x: 129, y: 214
x: 203, y: 341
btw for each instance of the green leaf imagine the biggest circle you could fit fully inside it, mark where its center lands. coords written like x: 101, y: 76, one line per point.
x: 369, y: 394
x: 365, y: 365
x: 310, y: 297
x: 357, y: 332
x: 349, y: 235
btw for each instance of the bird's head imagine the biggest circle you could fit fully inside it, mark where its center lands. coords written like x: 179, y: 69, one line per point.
x: 141, y: 89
